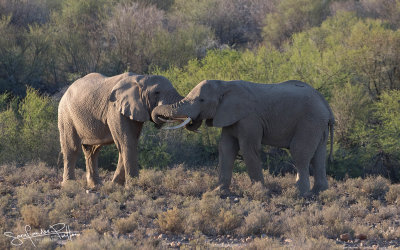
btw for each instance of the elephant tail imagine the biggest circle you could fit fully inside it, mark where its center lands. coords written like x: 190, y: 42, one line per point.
x: 331, y: 125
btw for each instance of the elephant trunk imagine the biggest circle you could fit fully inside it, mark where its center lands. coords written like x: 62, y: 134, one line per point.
x: 161, y: 111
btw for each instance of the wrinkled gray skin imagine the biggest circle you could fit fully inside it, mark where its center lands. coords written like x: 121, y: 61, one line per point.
x: 98, y: 110
x: 289, y: 115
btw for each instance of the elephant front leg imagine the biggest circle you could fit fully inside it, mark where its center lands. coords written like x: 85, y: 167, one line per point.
x: 127, y: 167
x: 92, y: 173
x: 251, y: 156
x: 228, y: 149
x: 125, y: 133
x: 119, y: 175
x: 130, y: 161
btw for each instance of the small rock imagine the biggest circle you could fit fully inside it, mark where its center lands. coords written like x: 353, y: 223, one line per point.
x: 345, y: 237
x: 288, y: 241
x: 161, y: 236
x: 179, y: 244
x: 87, y: 191
x: 361, y: 236
x: 228, y: 236
x: 248, y: 239
x: 236, y: 200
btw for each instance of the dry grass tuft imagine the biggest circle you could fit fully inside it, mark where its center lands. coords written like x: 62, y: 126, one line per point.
x: 171, y: 220
x: 34, y: 216
x: 127, y: 225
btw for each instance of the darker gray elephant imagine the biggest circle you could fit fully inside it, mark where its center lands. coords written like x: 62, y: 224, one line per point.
x: 289, y: 115
x: 97, y: 110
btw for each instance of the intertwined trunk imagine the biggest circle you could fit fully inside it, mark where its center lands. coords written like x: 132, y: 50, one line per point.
x: 181, y: 109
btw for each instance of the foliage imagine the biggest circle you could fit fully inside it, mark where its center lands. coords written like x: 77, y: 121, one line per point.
x: 234, y: 22
x: 293, y: 16
x: 29, y: 130
x: 347, y: 50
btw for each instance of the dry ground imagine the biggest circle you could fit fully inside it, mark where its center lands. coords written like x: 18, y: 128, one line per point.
x: 177, y: 208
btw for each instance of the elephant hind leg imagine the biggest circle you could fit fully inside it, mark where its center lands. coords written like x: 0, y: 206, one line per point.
x: 302, y: 150
x: 318, y: 164
x: 70, y: 148
x: 92, y: 155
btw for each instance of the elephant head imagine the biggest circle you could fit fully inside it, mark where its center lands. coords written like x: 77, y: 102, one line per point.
x: 219, y: 103
x: 136, y: 96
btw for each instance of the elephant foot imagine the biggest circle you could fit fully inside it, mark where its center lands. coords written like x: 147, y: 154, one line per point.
x: 118, y: 181
x: 319, y: 188
x: 222, y: 191
x: 307, y: 194
x: 64, y: 183
x: 130, y: 181
x: 93, y: 184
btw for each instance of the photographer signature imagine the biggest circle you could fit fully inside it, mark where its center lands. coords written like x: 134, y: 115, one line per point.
x: 57, y: 231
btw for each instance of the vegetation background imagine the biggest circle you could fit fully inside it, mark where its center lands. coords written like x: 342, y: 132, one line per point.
x: 349, y: 50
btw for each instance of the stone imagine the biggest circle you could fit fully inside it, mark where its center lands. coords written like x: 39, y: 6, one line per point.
x: 288, y: 241
x: 345, y: 237
x: 361, y: 236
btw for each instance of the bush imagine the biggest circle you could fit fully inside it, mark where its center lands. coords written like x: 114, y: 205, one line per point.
x: 34, y: 216
x: 171, y: 220
x: 30, y: 132
x: 127, y: 225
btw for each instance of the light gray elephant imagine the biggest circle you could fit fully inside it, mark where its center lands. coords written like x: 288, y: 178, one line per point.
x: 97, y: 110
x: 289, y: 115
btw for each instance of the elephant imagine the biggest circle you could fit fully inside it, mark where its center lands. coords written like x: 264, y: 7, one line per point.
x: 290, y: 115
x: 97, y: 110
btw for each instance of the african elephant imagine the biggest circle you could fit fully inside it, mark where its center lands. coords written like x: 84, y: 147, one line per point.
x: 97, y: 110
x: 290, y: 115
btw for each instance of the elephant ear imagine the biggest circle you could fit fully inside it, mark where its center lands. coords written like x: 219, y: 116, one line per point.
x: 233, y: 107
x: 127, y: 99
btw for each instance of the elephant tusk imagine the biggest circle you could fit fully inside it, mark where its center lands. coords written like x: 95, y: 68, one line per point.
x: 171, y: 121
x: 180, y: 125
x: 165, y: 120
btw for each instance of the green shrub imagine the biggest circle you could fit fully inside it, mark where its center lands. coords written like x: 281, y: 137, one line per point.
x: 30, y: 133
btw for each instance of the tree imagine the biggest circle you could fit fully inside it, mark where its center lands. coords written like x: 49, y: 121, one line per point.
x: 292, y: 16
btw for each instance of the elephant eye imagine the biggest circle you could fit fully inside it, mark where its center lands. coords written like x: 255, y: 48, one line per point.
x: 201, y: 100
x: 157, y: 92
